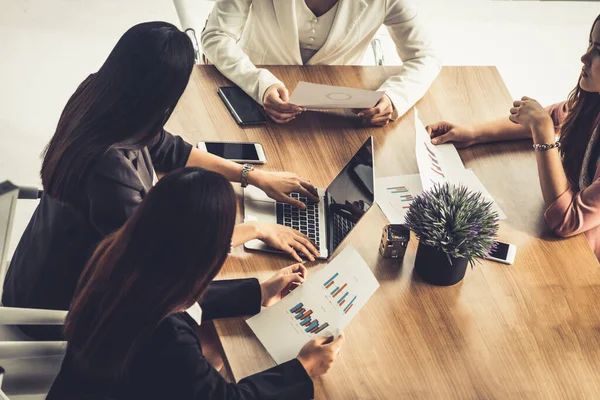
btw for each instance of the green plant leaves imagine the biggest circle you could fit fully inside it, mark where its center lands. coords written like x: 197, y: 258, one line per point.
x: 455, y: 220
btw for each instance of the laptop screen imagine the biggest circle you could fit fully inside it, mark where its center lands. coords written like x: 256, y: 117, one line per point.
x: 350, y: 195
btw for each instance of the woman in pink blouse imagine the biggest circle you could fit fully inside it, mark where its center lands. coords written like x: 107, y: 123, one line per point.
x: 568, y: 168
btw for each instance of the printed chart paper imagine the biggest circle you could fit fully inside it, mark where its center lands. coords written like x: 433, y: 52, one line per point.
x: 322, y: 306
x: 436, y: 163
x: 441, y: 163
x: 470, y: 180
x: 394, y: 194
x: 313, y: 96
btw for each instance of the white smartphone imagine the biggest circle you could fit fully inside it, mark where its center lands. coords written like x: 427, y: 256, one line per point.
x: 503, y: 253
x: 240, y: 152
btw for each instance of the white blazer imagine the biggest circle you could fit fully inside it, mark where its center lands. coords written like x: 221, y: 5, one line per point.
x: 240, y: 34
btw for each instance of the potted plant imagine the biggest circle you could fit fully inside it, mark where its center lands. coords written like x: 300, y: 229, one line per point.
x: 454, y: 227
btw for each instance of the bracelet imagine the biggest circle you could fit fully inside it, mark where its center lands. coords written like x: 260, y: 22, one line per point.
x: 246, y: 169
x: 546, y: 146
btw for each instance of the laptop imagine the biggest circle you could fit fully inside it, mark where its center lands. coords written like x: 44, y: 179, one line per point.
x: 342, y: 204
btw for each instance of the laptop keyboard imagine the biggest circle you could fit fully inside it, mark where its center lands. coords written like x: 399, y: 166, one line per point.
x: 305, y: 221
x: 341, y: 227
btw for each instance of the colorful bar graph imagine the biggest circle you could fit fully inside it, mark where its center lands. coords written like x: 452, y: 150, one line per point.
x: 330, y: 279
x: 304, y: 317
x: 340, y: 290
x: 349, y: 306
x: 312, y: 326
x: 431, y: 153
x: 437, y: 172
x: 296, y: 307
x: 325, y: 325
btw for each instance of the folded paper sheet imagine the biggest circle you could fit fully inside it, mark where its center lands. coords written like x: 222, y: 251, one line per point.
x: 313, y: 96
x: 322, y: 306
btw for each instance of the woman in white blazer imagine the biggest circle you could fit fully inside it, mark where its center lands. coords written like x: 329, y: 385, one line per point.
x: 240, y: 34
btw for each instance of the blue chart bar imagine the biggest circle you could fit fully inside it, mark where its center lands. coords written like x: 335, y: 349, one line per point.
x: 310, y: 327
x: 325, y: 325
x: 330, y: 279
x: 300, y: 313
x: 349, y: 304
x: 296, y: 307
x: 305, y: 321
x: 334, y: 290
x: 343, y: 297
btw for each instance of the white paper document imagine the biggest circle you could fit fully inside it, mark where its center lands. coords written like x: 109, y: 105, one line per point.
x: 322, y: 97
x: 441, y: 163
x: 322, y: 306
x: 436, y: 163
x: 394, y: 194
x: 469, y: 179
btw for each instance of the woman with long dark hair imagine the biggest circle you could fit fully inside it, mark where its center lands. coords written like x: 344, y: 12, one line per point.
x: 129, y: 334
x: 568, y: 168
x: 100, y: 164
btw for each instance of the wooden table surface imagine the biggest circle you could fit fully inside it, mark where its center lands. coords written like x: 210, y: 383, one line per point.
x: 530, y: 330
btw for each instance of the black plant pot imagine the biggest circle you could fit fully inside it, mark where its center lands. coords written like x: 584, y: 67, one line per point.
x: 433, y: 265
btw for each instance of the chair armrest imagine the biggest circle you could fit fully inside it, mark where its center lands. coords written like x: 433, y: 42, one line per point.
x: 31, y: 316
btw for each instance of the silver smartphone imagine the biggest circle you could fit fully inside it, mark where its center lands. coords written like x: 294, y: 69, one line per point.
x: 251, y: 153
x: 503, y: 253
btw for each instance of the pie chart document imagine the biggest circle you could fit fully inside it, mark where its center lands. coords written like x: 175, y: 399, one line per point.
x: 313, y: 96
x: 322, y: 306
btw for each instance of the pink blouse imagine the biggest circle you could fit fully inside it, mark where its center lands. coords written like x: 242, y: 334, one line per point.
x: 573, y: 212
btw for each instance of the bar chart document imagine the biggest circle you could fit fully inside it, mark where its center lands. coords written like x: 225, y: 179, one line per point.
x: 322, y: 306
x: 441, y: 163
x: 394, y: 195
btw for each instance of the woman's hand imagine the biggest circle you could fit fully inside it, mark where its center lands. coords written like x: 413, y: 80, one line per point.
x: 275, y: 102
x: 287, y: 239
x: 318, y: 355
x: 531, y: 115
x: 278, y: 185
x: 380, y: 114
x: 282, y: 283
x: 444, y: 132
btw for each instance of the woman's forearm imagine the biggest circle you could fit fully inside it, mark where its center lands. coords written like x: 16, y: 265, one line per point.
x: 229, y: 169
x: 500, y: 130
x: 243, y: 233
x: 553, y: 180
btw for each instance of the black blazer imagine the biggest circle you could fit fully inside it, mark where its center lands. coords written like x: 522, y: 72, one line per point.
x: 171, y: 365
x: 60, y: 238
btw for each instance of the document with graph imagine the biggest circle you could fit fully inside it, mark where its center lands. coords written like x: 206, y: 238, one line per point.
x: 441, y: 163
x: 394, y: 195
x: 436, y: 163
x: 322, y: 306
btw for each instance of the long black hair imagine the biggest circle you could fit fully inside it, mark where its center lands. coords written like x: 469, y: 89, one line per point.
x: 124, y: 104
x: 160, y: 262
x: 576, y: 130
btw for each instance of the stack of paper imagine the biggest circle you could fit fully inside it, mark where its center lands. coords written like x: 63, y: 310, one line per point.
x: 437, y: 164
x: 322, y: 306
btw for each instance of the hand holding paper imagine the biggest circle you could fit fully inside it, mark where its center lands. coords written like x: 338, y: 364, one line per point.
x: 321, y: 307
x: 313, y: 96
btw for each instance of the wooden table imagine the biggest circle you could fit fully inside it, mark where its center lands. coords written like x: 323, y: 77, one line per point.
x: 530, y: 330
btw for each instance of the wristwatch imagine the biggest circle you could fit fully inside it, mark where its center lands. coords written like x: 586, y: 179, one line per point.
x: 246, y: 169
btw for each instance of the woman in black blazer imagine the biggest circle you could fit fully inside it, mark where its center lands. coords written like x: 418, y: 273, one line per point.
x: 130, y: 329
x: 100, y: 164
